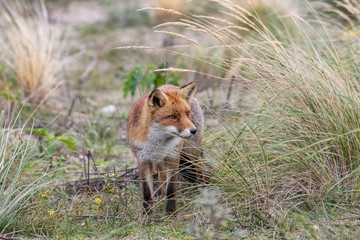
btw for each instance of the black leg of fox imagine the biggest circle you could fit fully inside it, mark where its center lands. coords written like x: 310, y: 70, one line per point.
x: 146, y: 176
x: 170, y: 194
x: 147, y: 197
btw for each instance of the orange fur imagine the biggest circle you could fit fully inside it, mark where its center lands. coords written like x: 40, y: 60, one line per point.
x: 159, y: 124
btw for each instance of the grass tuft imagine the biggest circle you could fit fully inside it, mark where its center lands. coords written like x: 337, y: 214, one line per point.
x: 16, y: 190
x: 298, y: 149
x: 32, y: 47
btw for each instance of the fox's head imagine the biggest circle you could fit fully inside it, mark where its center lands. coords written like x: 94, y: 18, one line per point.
x: 171, y: 112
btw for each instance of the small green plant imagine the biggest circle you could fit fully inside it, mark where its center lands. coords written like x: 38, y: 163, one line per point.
x: 52, y: 142
x: 145, y: 78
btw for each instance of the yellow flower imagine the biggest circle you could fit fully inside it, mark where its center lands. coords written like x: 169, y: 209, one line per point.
x: 348, y: 35
x: 43, y: 195
x: 97, y: 200
x: 51, y: 212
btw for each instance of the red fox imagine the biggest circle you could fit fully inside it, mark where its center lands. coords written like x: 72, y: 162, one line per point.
x: 165, y: 126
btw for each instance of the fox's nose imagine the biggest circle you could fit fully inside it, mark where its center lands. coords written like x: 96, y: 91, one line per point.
x: 193, y: 131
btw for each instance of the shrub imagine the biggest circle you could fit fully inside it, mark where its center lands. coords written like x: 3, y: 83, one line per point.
x: 32, y: 47
x: 16, y: 150
x: 299, y: 147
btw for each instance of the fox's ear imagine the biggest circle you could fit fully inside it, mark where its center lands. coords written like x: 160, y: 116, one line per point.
x: 157, y: 98
x: 188, y: 90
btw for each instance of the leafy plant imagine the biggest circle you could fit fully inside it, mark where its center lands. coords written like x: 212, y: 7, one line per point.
x: 52, y: 142
x: 145, y: 78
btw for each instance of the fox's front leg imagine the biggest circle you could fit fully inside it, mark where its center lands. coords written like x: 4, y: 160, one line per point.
x: 172, y: 178
x: 146, y: 176
x: 162, y: 178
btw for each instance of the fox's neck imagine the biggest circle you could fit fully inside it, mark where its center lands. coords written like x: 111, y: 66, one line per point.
x: 158, y: 146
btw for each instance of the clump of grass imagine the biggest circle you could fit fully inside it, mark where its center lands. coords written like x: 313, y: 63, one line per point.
x: 299, y: 149
x: 32, y: 47
x: 16, y: 150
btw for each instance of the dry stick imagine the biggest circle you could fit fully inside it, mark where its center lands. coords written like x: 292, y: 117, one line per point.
x: 6, y: 238
x: 125, y: 195
x: 82, y: 142
x: 86, y: 73
x: 99, y: 183
x: 232, y: 81
x: 90, y: 156
x: 125, y: 174
x: 84, y: 161
x: 82, y: 78
x: 106, y: 172
x: 68, y: 116
x: 88, y: 167
x: 122, y: 178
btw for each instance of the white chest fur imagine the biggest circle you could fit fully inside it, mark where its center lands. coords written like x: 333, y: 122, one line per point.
x: 158, y: 146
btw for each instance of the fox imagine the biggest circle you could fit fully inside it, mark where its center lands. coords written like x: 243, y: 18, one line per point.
x: 165, y: 130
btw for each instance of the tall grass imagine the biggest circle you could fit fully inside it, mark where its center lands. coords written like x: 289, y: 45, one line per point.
x: 16, y: 150
x: 32, y: 47
x: 300, y: 148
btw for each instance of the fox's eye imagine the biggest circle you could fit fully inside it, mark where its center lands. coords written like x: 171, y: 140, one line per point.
x: 173, y: 117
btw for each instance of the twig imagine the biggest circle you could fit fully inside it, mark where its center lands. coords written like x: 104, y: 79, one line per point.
x: 90, y: 156
x: 128, y: 170
x: 6, y: 238
x: 230, y: 88
x: 67, y: 122
x: 84, y: 160
x: 86, y: 73
x: 125, y: 195
x: 88, y: 167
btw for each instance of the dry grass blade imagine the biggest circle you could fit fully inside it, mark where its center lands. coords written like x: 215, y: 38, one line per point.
x: 133, y: 47
x: 171, y: 11
x: 180, y: 36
